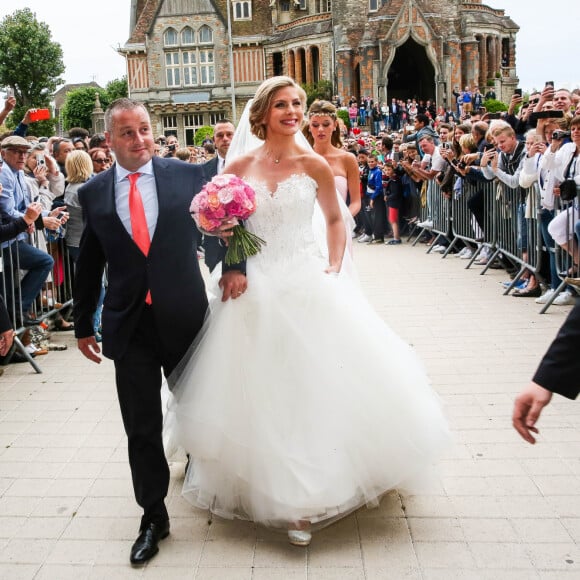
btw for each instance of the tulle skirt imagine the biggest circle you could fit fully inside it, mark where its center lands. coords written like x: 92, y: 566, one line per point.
x: 298, y: 403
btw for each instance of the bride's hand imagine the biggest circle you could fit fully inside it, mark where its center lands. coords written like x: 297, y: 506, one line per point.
x: 224, y: 232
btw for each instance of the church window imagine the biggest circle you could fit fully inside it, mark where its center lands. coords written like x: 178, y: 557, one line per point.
x: 190, y: 63
x: 242, y: 10
x: 170, y: 37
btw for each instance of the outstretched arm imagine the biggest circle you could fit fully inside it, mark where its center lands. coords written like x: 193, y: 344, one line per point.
x: 527, y: 409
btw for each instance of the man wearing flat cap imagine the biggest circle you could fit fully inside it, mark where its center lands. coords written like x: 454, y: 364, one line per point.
x: 19, y: 252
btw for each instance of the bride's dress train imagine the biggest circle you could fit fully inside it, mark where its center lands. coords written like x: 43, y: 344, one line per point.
x: 297, y: 402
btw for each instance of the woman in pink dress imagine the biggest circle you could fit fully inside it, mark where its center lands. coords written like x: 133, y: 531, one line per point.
x: 323, y: 134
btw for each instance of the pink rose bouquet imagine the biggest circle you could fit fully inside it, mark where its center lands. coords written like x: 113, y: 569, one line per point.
x: 225, y: 197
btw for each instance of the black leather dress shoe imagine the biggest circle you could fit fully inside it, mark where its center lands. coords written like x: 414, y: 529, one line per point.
x: 145, y: 546
x: 534, y: 292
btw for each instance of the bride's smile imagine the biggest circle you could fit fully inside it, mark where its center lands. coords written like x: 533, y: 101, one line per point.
x: 286, y: 113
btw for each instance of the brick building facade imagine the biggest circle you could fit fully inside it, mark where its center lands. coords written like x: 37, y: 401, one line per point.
x: 182, y: 54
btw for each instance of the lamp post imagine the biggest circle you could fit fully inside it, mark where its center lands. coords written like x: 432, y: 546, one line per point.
x: 231, y: 56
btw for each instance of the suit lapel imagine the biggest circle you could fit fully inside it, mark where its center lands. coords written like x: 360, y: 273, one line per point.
x: 108, y: 207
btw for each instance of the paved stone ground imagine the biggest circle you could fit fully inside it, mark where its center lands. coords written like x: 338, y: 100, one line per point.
x: 502, y: 509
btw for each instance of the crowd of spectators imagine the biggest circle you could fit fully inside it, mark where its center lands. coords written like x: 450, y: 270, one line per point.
x: 410, y: 153
x: 421, y: 150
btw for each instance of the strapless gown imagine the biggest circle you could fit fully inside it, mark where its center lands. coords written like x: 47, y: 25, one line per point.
x: 297, y: 402
x: 341, y: 184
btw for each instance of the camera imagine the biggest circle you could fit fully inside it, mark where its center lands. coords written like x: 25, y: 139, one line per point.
x: 462, y: 165
x: 446, y: 145
x: 559, y: 135
x: 40, y: 161
x: 171, y: 147
x: 568, y: 190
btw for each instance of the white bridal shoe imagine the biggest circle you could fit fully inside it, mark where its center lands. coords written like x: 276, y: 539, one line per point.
x: 299, y: 537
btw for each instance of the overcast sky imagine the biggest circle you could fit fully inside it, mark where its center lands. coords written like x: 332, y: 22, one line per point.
x: 547, y: 46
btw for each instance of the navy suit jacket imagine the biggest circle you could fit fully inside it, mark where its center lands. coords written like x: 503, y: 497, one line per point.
x: 170, y: 271
x: 559, y: 370
x: 214, y: 250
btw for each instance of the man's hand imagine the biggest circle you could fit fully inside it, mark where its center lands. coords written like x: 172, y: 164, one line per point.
x: 514, y: 102
x: 90, y: 348
x: 527, y: 408
x: 233, y: 284
x: 32, y: 212
x: 6, y: 339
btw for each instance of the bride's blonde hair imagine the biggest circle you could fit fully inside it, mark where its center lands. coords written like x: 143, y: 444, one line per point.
x: 263, y: 101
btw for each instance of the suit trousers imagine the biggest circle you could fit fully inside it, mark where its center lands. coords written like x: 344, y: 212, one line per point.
x: 138, y: 377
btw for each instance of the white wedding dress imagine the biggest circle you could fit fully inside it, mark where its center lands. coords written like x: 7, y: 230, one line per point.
x: 297, y: 402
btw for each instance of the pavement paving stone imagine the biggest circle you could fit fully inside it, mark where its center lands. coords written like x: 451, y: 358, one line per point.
x: 497, y: 509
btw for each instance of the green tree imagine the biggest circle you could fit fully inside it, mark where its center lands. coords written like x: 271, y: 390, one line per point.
x: 202, y: 133
x: 31, y: 64
x: 494, y: 106
x: 117, y: 88
x: 320, y: 90
x: 342, y: 114
x: 79, y: 105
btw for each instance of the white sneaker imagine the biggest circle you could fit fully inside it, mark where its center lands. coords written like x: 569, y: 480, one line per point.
x: 353, y: 234
x: 564, y: 298
x: 461, y: 253
x: 426, y: 224
x: 364, y: 239
x: 436, y: 248
x: 545, y: 297
x: 468, y: 254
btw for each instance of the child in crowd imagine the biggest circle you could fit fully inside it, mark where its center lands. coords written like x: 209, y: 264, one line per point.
x: 393, y: 190
x: 374, y: 192
x: 365, y: 214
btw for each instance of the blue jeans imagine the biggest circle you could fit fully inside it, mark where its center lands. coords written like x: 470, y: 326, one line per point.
x: 546, y: 216
x: 38, y: 265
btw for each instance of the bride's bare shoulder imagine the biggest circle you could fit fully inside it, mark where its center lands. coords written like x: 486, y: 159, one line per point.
x: 242, y: 164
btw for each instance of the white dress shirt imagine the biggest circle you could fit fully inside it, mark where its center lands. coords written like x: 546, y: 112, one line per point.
x: 221, y: 165
x: 148, y: 190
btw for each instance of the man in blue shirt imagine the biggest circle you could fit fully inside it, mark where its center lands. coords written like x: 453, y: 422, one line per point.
x: 19, y: 253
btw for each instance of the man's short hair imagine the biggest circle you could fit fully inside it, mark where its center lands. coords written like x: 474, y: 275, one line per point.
x: 422, y: 118
x: 387, y: 143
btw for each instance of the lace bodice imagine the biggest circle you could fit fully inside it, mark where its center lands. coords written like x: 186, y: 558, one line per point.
x: 283, y: 219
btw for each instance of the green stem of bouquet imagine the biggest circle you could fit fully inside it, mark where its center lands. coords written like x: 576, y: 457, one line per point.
x: 241, y: 245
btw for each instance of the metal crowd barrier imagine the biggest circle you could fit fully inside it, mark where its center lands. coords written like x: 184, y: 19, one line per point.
x: 566, y: 265
x: 56, y: 293
x: 502, y: 221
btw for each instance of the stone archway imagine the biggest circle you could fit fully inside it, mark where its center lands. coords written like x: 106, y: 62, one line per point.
x: 411, y: 73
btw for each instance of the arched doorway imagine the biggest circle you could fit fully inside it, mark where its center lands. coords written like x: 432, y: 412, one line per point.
x: 411, y: 74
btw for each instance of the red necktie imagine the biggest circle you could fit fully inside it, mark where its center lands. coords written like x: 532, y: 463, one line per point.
x: 138, y: 220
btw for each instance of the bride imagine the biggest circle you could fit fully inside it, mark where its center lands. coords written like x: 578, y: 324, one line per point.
x: 297, y: 404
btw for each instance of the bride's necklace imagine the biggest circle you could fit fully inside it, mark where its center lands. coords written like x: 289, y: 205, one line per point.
x: 274, y: 158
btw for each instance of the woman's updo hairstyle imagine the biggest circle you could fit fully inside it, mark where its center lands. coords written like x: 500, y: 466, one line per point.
x: 263, y: 101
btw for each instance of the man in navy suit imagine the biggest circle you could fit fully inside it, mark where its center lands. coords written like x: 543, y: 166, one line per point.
x: 223, y: 133
x: 155, y: 302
